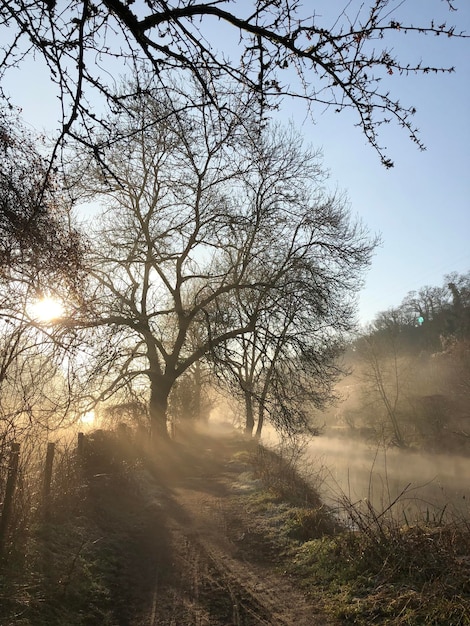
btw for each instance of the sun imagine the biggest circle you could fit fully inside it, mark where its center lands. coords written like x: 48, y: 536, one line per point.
x: 47, y: 309
x: 88, y: 418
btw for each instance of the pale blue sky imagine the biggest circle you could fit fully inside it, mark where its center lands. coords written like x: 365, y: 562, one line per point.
x: 421, y: 208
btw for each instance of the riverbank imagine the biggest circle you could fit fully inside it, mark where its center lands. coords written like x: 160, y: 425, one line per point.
x: 218, y: 531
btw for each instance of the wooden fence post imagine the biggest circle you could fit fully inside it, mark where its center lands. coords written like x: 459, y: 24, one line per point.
x: 48, y: 479
x: 80, y: 444
x: 9, y: 491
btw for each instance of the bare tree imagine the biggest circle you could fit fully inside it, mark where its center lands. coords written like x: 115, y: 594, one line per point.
x: 427, y: 303
x: 38, y: 387
x: 206, y: 226
x: 286, y: 367
x: 39, y: 256
x: 287, y: 364
x: 342, y: 59
x: 385, y: 374
x: 38, y: 247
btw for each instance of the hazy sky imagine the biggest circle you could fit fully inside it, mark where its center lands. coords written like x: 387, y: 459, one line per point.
x: 421, y: 207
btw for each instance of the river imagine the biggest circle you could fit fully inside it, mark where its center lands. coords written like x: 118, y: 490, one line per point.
x: 431, y: 485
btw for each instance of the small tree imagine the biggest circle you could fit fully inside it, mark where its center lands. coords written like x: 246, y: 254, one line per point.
x: 287, y: 365
x: 385, y: 370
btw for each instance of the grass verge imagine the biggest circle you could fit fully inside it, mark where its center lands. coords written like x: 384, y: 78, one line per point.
x: 375, y: 570
x: 92, y: 562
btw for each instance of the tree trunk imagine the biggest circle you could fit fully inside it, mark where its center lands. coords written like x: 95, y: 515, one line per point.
x: 262, y: 399
x: 249, y: 417
x: 197, y: 390
x: 259, y: 426
x: 47, y: 480
x: 160, y: 389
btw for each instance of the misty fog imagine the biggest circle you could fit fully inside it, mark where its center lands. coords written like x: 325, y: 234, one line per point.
x: 433, y: 482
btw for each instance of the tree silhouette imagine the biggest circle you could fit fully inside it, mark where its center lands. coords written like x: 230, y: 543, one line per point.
x: 337, y: 61
x: 206, y: 226
x: 37, y: 244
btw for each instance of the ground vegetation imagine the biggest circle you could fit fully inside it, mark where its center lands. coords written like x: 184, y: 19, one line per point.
x: 219, y: 530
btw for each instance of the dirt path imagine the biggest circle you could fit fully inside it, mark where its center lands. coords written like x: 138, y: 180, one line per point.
x: 214, y: 566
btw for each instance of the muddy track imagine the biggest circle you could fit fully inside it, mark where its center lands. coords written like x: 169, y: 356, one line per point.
x: 214, y: 566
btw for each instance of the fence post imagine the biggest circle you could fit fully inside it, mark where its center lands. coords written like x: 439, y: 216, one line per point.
x: 80, y: 444
x: 9, y: 491
x: 48, y: 478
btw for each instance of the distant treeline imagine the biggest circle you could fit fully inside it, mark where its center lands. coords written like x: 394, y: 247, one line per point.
x: 431, y: 318
x: 410, y: 373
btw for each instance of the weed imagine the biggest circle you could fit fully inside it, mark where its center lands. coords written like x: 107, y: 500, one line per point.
x: 376, y: 568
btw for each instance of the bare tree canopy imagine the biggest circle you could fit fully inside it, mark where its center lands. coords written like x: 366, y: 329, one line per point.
x: 273, y: 48
x: 35, y: 235
x: 208, y: 229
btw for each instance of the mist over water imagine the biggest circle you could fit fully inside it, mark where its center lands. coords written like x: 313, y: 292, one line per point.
x: 433, y: 483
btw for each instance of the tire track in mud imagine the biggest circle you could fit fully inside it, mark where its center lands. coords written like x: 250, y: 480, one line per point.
x: 204, y: 593
x: 206, y: 580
